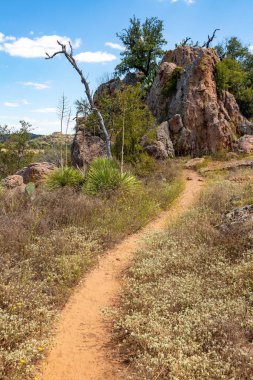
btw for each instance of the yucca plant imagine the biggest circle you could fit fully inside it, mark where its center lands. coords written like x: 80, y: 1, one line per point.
x: 64, y: 177
x: 104, y: 176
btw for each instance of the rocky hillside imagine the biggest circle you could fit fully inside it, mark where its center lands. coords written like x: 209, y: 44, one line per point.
x: 184, y: 93
x: 192, y: 117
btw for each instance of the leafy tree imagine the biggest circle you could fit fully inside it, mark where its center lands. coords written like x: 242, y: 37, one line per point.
x: 235, y: 73
x: 129, y: 121
x: 232, y: 48
x: 14, y: 148
x: 143, y: 45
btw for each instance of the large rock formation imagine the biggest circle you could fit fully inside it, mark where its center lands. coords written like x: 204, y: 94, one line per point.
x: 85, y: 146
x: 199, y: 121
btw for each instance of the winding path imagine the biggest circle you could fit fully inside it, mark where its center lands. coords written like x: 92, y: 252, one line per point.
x: 82, y: 349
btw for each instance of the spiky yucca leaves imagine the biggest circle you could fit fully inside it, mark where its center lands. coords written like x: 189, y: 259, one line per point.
x: 64, y: 177
x: 104, y: 176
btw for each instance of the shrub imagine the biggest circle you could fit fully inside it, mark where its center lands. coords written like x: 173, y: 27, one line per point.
x: 145, y: 166
x: 171, y: 83
x: 64, y: 177
x: 104, y: 176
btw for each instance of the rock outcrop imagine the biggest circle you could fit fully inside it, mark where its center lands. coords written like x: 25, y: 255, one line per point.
x: 131, y: 79
x: 162, y: 147
x: 244, y: 144
x: 36, y: 172
x: 237, y: 218
x: 199, y: 121
x: 85, y: 146
x: 14, y: 183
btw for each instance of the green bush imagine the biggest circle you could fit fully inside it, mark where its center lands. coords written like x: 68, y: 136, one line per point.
x: 64, y: 177
x: 171, y: 83
x: 104, y: 176
x: 145, y: 166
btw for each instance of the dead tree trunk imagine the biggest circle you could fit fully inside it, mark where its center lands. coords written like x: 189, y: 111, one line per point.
x: 210, y: 39
x: 72, y: 61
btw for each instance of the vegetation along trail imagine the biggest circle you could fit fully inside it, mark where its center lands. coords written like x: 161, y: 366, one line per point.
x: 82, y: 343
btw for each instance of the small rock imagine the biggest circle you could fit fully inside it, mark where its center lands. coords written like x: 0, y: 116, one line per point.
x: 244, y: 144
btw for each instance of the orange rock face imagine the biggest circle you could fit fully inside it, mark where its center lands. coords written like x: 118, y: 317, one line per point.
x: 200, y: 121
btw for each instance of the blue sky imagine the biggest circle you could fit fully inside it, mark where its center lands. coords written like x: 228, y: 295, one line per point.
x: 31, y: 86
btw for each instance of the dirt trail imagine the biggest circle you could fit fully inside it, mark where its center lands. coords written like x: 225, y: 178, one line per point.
x: 82, y: 344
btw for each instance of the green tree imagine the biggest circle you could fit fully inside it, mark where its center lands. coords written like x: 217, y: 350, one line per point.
x: 143, y: 45
x: 14, y: 148
x: 129, y: 121
x: 234, y: 73
x: 232, y: 48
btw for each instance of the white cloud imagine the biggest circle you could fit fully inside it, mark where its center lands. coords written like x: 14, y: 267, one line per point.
x: 45, y: 110
x: 115, y: 46
x: 16, y: 104
x: 95, y: 57
x: 35, y: 85
x: 37, y: 47
x: 251, y: 47
x: 11, y: 104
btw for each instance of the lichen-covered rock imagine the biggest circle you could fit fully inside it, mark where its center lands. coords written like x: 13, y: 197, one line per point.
x: 244, y: 144
x: 14, y: 182
x: 241, y: 217
x: 36, y: 172
x: 85, y: 147
x: 162, y: 147
x: 199, y: 121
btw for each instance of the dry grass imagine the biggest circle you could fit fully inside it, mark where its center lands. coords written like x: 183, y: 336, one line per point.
x: 186, y: 312
x: 47, y: 244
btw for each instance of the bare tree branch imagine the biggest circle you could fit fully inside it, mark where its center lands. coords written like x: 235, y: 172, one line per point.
x: 185, y: 41
x: 210, y: 39
x: 69, y: 56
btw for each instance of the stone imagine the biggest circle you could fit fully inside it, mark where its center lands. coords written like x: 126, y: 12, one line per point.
x: 244, y: 144
x: 239, y: 217
x: 14, y: 182
x: 85, y: 147
x: 200, y: 122
x: 162, y: 148
x: 176, y: 124
x: 36, y: 172
x: 131, y: 79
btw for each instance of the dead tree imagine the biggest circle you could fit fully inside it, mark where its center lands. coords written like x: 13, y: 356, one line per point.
x: 210, y: 39
x: 69, y: 56
x: 185, y: 41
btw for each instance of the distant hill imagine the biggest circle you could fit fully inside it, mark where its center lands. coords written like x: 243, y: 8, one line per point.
x: 44, y: 141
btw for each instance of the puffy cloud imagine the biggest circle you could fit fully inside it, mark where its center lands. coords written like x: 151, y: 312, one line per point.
x: 35, y: 85
x: 95, y: 57
x: 115, y: 46
x: 37, y: 47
